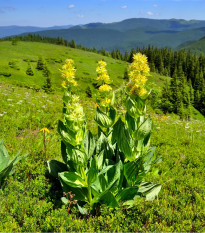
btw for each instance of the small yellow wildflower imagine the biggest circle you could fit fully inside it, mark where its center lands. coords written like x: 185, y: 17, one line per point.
x: 105, y: 88
x: 105, y: 102
x: 63, y: 84
x: 45, y: 130
x: 164, y: 118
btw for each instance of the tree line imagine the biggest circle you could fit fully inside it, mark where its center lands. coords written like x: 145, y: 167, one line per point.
x: 187, y: 72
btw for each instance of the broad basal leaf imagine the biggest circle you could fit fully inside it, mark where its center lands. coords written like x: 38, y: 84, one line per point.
x: 55, y: 167
x: 149, y: 190
x: 72, y: 179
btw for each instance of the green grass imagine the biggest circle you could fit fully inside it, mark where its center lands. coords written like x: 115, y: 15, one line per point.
x: 85, y: 63
x: 30, y: 199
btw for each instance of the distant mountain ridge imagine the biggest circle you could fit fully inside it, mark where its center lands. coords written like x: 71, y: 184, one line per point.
x: 17, y: 30
x: 136, y: 23
x: 129, y: 33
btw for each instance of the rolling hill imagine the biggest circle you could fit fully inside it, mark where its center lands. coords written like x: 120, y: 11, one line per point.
x: 16, y: 30
x: 55, y: 55
x: 131, y: 33
x: 196, y: 46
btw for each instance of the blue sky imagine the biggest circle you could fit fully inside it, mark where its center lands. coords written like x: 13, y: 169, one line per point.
x: 65, y: 12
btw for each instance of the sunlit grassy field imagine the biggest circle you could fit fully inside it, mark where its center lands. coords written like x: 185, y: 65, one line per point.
x: 30, y: 199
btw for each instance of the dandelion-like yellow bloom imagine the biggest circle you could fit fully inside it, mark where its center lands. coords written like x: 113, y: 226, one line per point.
x: 138, y: 72
x: 45, y: 130
x: 105, y: 88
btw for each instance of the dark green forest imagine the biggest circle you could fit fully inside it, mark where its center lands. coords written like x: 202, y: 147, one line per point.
x: 186, y: 69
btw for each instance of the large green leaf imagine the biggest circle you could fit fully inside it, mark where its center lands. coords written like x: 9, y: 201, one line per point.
x: 67, y: 135
x: 103, y: 119
x: 135, y: 108
x: 99, y: 186
x: 114, y: 177
x: 4, y: 157
x: 80, y: 192
x: 131, y: 122
x: 93, y: 171
x: 79, y: 157
x: 107, y: 198
x: 89, y: 144
x: 149, y: 190
x: 127, y: 194
x: 6, y: 171
x: 55, y: 167
x: 132, y: 169
x: 123, y: 138
x: 103, y: 144
x: 72, y: 179
x: 144, y: 129
x: 148, y: 159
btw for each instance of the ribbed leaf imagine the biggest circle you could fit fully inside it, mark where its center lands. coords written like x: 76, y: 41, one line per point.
x: 72, y: 179
x: 4, y: 157
x: 144, y: 129
x: 103, y: 119
x: 67, y: 135
x: 132, y: 169
x: 106, y: 198
x: 55, y: 167
x: 93, y: 171
x: 134, y: 108
x: 127, y: 194
x: 148, y: 159
x: 89, y: 144
x: 149, y: 190
x: 123, y: 138
x: 103, y: 144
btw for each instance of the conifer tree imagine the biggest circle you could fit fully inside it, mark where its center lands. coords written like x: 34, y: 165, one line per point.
x: 40, y: 63
x: 29, y: 70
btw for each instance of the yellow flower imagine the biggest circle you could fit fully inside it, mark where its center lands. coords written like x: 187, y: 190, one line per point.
x: 105, y: 102
x: 63, y: 84
x: 103, y: 76
x: 68, y: 73
x: 45, y: 130
x: 105, y: 88
x: 138, y: 71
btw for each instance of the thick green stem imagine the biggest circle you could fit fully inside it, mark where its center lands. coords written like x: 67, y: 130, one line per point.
x: 89, y: 195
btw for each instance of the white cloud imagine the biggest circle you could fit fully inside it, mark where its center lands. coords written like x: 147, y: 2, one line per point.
x: 71, y: 6
x: 124, y: 7
x: 155, y: 5
x: 150, y: 13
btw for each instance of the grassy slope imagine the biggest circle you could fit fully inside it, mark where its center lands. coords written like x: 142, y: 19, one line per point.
x: 195, y: 46
x: 30, y: 200
x: 85, y: 63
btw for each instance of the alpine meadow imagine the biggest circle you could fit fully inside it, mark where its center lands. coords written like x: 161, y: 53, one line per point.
x: 102, y: 127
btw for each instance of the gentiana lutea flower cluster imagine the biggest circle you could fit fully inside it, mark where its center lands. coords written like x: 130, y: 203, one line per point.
x: 73, y: 111
x: 68, y: 73
x: 138, y: 72
x: 103, y: 80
